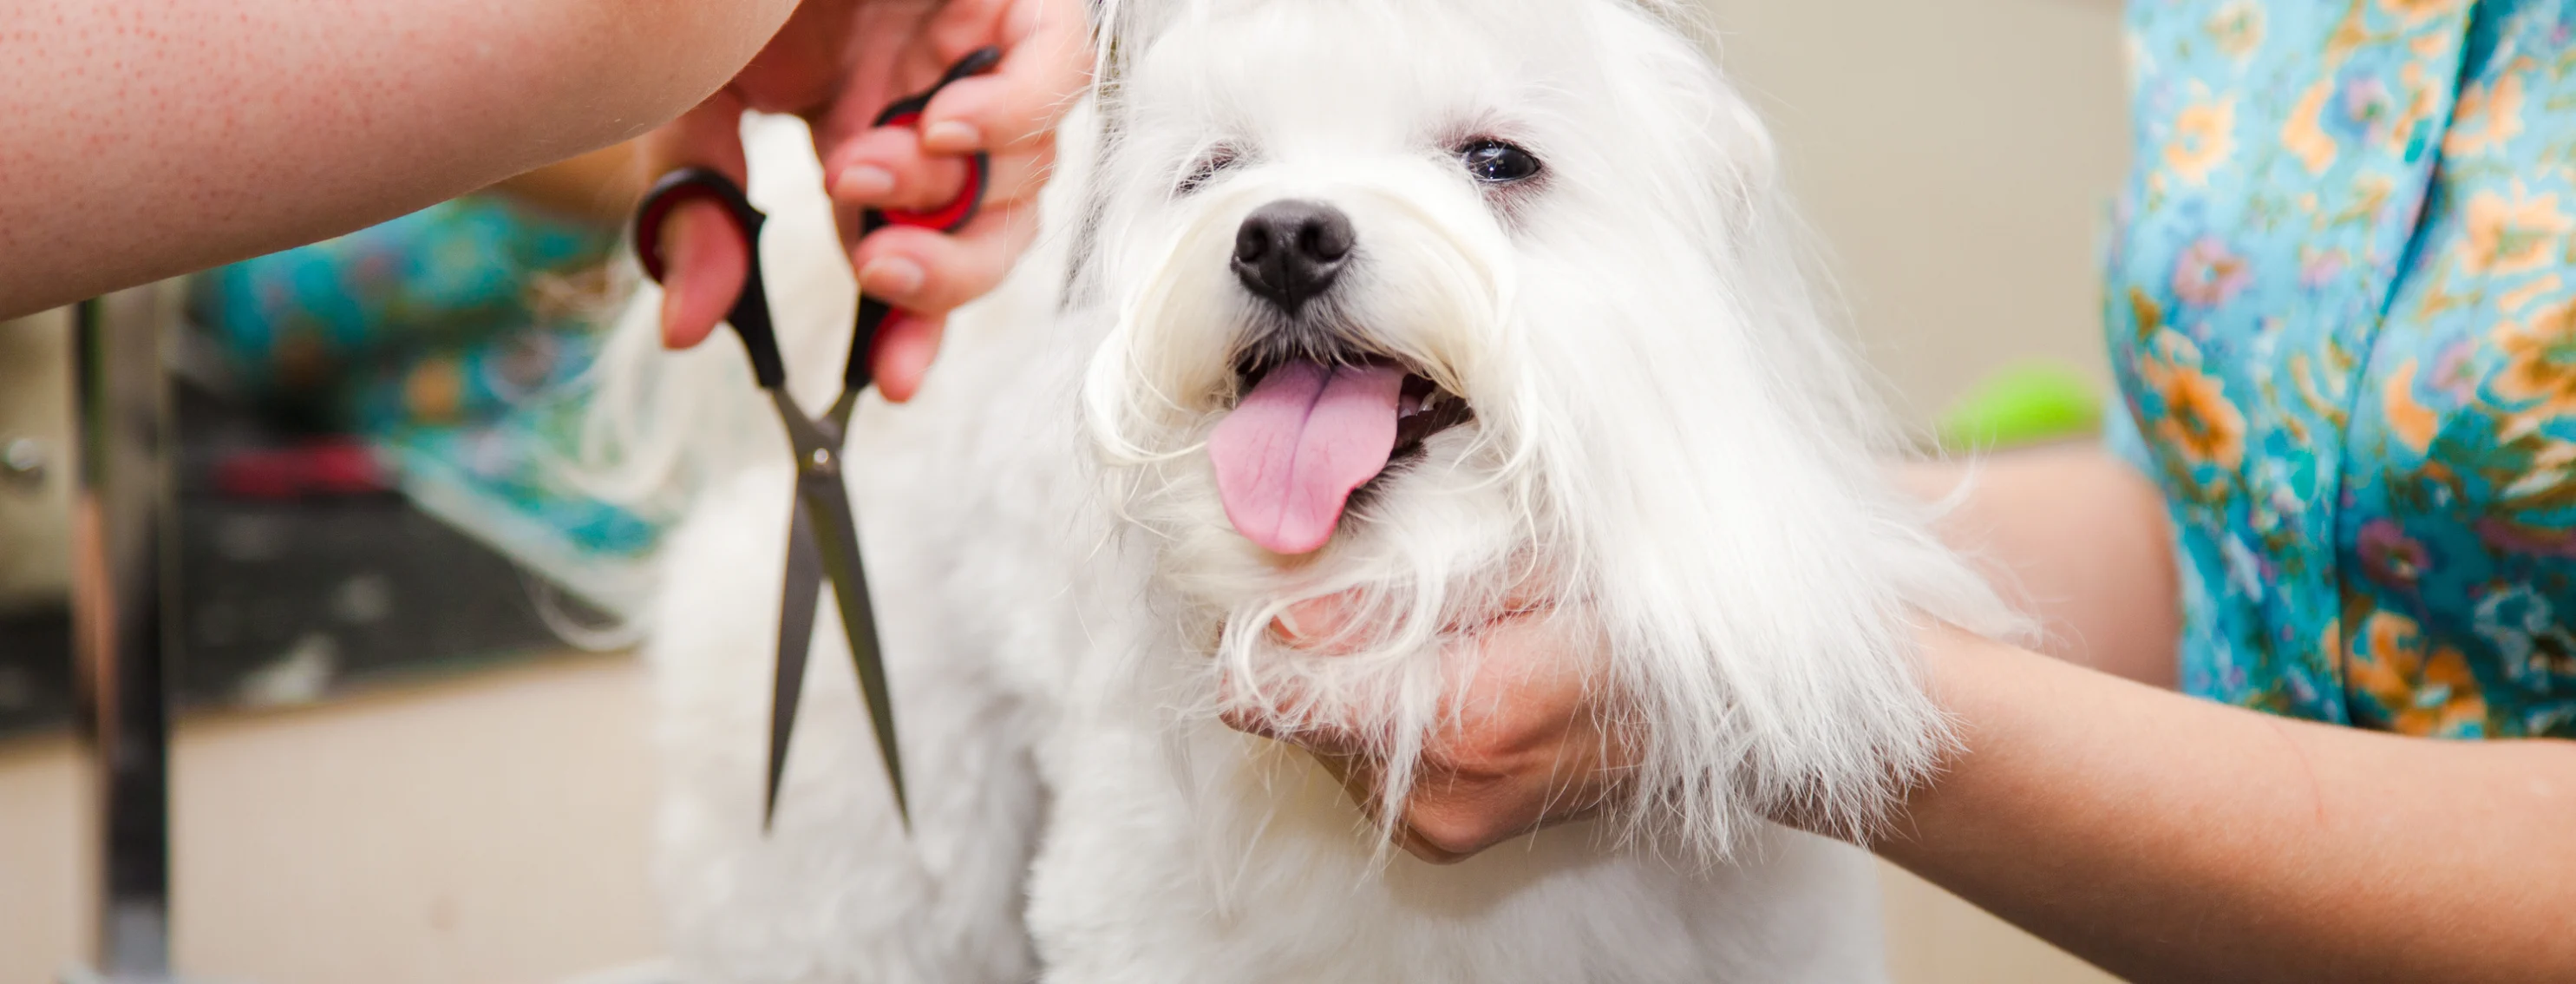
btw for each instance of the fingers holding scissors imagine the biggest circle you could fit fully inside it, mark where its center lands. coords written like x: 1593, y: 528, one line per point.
x: 838, y: 62
x: 1009, y: 112
x: 1045, y: 44
x: 883, y: 169
x: 703, y: 257
x: 919, y: 270
x: 929, y: 273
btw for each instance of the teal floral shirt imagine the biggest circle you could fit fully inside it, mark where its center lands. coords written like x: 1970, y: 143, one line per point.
x: 2342, y: 313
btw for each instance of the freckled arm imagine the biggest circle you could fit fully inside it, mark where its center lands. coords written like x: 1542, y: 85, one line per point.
x: 2173, y: 839
x: 145, y: 138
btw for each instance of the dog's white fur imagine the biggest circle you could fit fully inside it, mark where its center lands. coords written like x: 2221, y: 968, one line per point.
x: 1667, y: 440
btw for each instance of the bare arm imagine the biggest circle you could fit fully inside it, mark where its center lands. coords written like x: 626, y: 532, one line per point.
x: 2076, y: 537
x: 2172, y: 839
x: 2162, y: 837
x: 145, y: 138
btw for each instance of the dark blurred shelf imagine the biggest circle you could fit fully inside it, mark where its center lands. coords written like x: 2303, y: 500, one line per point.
x: 293, y: 600
x: 35, y: 670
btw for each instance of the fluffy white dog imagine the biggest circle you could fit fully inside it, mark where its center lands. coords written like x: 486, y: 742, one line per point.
x: 1440, y: 305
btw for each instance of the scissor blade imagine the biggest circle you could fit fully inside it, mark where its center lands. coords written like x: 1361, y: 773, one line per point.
x: 836, y: 534
x: 800, y: 593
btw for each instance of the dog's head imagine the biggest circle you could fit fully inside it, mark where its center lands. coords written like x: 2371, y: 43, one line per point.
x: 1353, y: 246
x: 1445, y: 306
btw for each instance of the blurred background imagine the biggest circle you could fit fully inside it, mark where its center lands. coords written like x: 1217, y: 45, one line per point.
x: 409, y: 746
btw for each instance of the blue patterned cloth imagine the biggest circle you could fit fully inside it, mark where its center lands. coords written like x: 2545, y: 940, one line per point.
x: 450, y: 340
x: 2341, y: 308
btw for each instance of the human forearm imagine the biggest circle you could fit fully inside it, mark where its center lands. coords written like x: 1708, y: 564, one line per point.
x: 2170, y: 839
x: 145, y: 138
x: 2079, y: 539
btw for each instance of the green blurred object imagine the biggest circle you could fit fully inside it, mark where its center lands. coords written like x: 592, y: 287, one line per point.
x: 2031, y: 403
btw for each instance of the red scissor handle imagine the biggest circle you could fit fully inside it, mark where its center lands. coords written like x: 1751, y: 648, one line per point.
x: 959, y: 210
x: 946, y: 218
x: 906, y: 112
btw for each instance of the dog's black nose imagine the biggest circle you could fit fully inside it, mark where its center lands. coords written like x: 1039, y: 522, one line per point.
x: 1290, y: 250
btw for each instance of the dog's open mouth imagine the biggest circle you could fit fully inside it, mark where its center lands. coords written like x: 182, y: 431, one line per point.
x: 1307, y: 433
x: 1422, y: 409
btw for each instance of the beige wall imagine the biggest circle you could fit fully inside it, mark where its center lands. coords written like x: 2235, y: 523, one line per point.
x: 36, y: 404
x: 481, y: 831
x: 1958, y: 158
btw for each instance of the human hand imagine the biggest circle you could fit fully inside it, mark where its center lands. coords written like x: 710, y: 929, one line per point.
x: 837, y: 63
x: 1529, y: 742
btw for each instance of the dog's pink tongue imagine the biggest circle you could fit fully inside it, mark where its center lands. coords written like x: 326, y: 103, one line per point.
x: 1290, y: 454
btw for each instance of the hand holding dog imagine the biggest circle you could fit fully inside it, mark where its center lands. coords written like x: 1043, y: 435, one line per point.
x: 1528, y: 744
x: 836, y: 63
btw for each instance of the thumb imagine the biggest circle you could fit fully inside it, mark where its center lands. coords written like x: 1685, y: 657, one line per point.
x: 703, y: 260
x: 1326, y: 625
x: 703, y: 265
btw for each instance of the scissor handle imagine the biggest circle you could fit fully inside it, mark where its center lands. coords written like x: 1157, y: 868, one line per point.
x: 749, y: 315
x: 907, y: 111
x: 856, y: 374
x: 750, y: 312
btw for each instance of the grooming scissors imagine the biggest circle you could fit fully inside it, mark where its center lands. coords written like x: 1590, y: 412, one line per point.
x: 822, y: 539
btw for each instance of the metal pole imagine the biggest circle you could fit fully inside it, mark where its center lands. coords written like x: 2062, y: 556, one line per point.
x: 121, y: 552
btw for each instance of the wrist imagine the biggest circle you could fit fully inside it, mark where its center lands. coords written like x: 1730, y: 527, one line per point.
x: 1962, y: 673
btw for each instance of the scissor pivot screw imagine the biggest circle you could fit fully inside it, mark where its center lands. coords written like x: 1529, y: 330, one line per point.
x: 822, y: 458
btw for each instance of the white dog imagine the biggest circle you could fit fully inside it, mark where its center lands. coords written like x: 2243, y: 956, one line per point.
x: 1428, y: 303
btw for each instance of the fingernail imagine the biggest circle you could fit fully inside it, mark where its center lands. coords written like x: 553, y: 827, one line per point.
x: 864, y: 181
x: 675, y: 242
x: 951, y: 136
x: 1287, y: 628
x: 675, y: 261
x: 671, y: 308
x: 891, y: 275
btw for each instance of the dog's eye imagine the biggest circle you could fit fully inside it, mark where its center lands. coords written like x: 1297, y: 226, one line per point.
x: 1497, y: 162
x: 1206, y: 168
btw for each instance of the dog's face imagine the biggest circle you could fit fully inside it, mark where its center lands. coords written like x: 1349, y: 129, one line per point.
x: 1345, y: 239
x: 1449, y: 307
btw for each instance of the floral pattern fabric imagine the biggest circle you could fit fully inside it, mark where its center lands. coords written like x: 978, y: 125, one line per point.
x: 451, y: 339
x: 2342, y: 312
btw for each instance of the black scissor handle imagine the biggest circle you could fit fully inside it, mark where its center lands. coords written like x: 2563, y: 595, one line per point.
x: 749, y: 315
x: 856, y: 374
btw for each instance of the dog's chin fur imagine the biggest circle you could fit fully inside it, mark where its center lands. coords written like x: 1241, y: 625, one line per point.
x: 1666, y: 441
